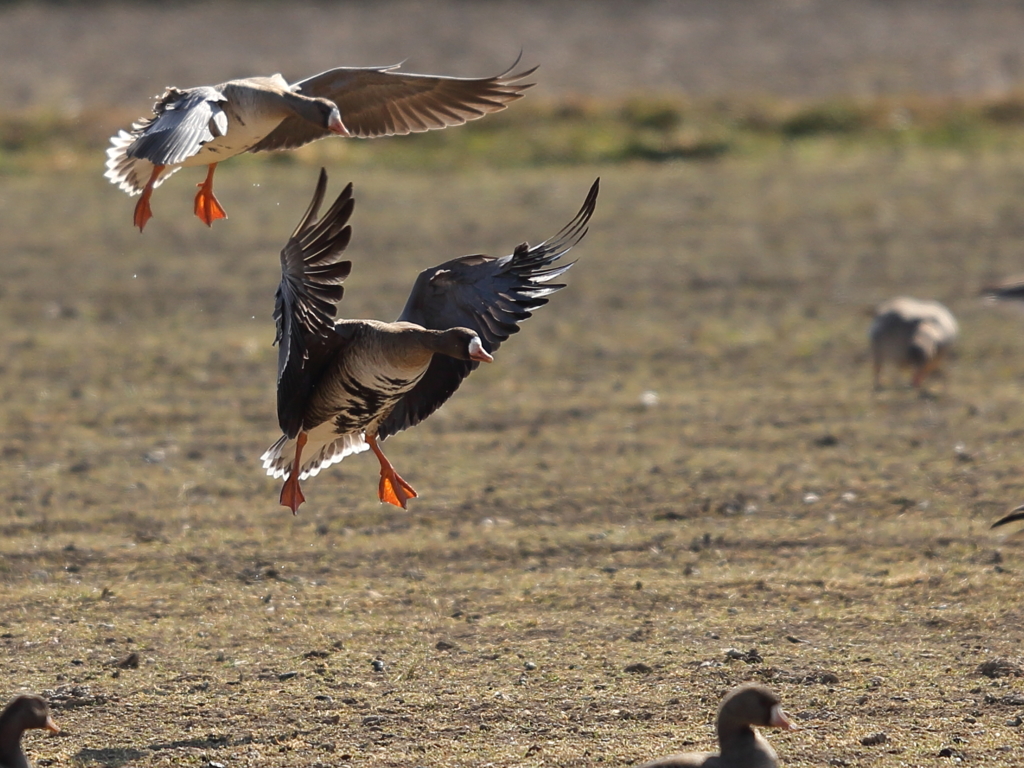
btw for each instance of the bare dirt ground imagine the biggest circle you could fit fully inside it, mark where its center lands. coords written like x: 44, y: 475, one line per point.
x: 681, y: 455
x: 676, y: 478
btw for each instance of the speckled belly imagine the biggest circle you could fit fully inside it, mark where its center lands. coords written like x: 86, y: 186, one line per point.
x: 361, y: 407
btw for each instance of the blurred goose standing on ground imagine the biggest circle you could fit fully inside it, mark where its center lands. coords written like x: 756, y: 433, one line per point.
x: 23, y: 712
x: 345, y: 385
x: 208, y: 124
x: 741, y: 746
x: 911, y: 333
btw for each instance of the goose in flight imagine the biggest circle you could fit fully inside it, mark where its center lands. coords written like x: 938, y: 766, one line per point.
x: 344, y: 386
x: 208, y: 124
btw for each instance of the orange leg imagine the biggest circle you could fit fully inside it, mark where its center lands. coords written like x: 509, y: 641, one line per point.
x: 392, y: 489
x: 925, y: 370
x: 143, y: 212
x: 291, y: 494
x: 207, y: 208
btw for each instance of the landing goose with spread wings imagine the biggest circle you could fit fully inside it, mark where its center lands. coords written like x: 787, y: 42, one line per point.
x: 344, y: 386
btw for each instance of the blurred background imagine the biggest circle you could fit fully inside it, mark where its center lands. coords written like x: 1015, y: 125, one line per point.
x: 617, y: 81
x: 74, y: 56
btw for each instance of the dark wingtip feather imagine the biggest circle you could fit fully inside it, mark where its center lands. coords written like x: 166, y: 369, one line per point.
x: 575, y: 230
x: 1015, y: 514
x: 545, y: 253
x: 507, y: 77
x: 590, y: 204
x: 311, y: 273
x: 1011, y: 289
x: 314, y: 204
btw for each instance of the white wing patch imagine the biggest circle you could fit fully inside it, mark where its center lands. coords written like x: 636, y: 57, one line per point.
x: 178, y: 131
x: 130, y: 174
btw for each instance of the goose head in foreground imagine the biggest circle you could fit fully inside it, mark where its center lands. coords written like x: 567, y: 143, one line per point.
x: 22, y: 713
x: 741, y: 746
x: 343, y: 386
x: 911, y: 333
x: 208, y: 124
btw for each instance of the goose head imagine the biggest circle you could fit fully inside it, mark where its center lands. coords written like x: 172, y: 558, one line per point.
x: 752, y: 704
x: 462, y: 344
x: 27, y: 711
x: 322, y: 113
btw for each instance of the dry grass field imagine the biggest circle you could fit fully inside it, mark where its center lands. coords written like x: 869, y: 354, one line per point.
x: 571, y: 524
x: 675, y: 478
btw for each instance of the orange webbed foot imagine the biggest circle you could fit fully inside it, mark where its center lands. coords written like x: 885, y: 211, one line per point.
x: 291, y: 494
x: 207, y: 207
x: 394, y: 490
x: 143, y: 212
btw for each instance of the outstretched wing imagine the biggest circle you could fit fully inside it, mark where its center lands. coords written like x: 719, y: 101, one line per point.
x: 1013, y: 516
x: 491, y: 296
x: 307, y: 298
x: 378, y: 101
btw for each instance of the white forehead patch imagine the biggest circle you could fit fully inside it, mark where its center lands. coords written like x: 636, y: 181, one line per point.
x: 476, y: 349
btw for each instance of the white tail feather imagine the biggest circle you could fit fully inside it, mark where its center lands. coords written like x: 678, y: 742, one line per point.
x: 130, y: 174
x: 323, y: 448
